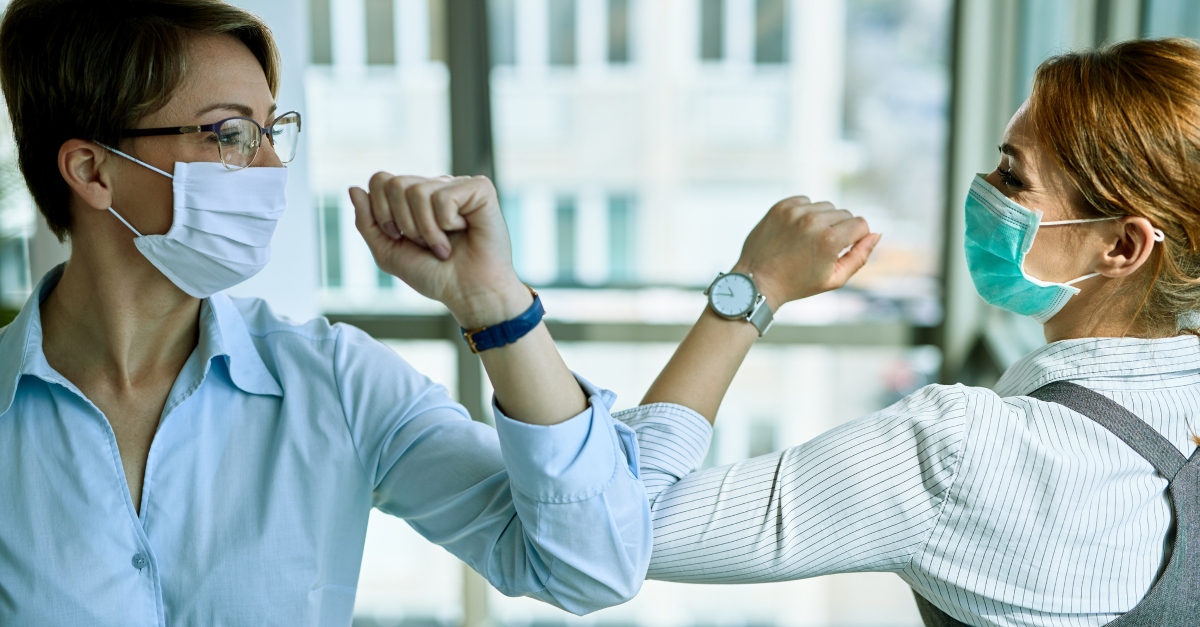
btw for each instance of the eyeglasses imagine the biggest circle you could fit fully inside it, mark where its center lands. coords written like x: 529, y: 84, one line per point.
x: 238, y: 139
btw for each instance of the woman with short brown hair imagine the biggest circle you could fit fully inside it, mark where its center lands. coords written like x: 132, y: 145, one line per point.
x: 170, y: 455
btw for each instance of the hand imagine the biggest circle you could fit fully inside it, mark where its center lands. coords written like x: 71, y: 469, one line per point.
x: 447, y: 239
x: 795, y: 251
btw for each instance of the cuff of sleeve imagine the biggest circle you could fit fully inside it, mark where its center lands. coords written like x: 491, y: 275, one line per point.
x: 570, y: 461
x: 671, y: 438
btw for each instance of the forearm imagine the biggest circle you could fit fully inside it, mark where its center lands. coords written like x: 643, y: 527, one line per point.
x: 531, y: 381
x: 700, y: 371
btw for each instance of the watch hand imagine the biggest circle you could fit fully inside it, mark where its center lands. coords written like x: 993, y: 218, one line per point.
x: 729, y: 294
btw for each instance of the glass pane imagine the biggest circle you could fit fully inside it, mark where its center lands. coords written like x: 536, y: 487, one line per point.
x: 1172, y: 18
x: 17, y: 221
x: 320, y: 33
x: 1047, y: 27
x: 565, y: 226
x: 894, y: 144
x: 562, y: 32
x: 712, y: 30
x: 621, y: 243
x: 384, y: 280
x: 330, y: 232
x: 381, y: 34
x: 770, y: 31
x: 503, y: 15
x: 618, y: 31
x: 702, y: 150
x: 437, y: 30
x: 362, y: 119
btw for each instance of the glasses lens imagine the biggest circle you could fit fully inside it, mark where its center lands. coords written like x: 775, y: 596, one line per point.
x: 238, y: 140
x: 285, y: 136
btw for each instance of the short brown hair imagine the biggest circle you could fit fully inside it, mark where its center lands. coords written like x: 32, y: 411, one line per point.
x: 87, y: 69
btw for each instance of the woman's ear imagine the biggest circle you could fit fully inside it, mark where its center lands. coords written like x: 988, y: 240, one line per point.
x: 81, y: 164
x: 1129, y: 244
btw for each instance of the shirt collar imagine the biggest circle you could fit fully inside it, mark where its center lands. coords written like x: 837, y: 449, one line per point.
x: 1105, y: 358
x: 228, y: 335
x: 223, y: 333
x: 21, y: 342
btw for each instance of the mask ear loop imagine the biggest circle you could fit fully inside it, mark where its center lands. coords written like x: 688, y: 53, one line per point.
x: 1159, y: 236
x: 1061, y: 222
x: 125, y: 222
x: 135, y: 160
x: 141, y: 163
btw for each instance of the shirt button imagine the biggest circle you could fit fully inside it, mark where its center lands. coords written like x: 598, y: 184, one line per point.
x: 139, y: 561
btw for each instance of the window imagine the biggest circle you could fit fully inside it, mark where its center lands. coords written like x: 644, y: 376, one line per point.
x: 562, y: 32
x: 503, y: 17
x: 381, y: 32
x: 513, y: 217
x: 770, y: 40
x: 620, y: 239
x: 712, y: 30
x: 762, y: 437
x: 384, y: 281
x: 330, y: 230
x: 1172, y: 18
x: 14, y: 270
x: 618, y: 31
x: 437, y: 30
x: 320, y: 32
x: 564, y: 238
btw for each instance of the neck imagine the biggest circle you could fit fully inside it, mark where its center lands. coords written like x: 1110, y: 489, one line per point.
x: 1101, y: 310
x: 115, y: 316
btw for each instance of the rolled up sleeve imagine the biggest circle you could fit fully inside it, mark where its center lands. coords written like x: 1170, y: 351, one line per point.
x: 556, y: 513
x: 576, y: 488
x: 672, y: 441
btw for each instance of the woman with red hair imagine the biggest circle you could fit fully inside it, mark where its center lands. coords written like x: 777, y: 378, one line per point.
x: 1069, y: 494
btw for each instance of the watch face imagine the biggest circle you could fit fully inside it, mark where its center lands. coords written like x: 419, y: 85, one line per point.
x: 732, y: 295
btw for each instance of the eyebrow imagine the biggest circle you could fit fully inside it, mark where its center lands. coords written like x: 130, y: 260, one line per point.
x: 233, y: 106
x: 1010, y: 150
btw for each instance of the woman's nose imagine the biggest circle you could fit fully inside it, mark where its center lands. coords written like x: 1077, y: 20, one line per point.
x: 266, y: 157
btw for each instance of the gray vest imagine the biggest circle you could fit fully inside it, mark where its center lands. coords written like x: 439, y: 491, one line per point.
x: 1174, y: 599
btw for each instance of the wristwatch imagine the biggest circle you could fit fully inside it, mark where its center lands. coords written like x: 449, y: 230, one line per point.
x: 734, y: 295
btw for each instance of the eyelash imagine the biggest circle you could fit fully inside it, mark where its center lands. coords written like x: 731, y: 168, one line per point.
x: 1008, y: 179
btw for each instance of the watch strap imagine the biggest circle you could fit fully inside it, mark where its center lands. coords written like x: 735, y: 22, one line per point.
x: 495, y: 336
x: 761, y: 316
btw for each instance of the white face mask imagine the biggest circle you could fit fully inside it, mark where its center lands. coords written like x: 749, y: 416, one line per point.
x: 222, y: 227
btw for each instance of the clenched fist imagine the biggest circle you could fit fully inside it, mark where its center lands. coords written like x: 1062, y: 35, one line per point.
x: 797, y: 250
x: 446, y: 238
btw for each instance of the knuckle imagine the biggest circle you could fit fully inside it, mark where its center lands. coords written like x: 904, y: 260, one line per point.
x: 394, y: 186
x: 416, y: 193
x: 380, y: 178
x: 439, y: 197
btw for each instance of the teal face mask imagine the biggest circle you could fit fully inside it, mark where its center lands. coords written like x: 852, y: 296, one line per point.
x: 999, y: 235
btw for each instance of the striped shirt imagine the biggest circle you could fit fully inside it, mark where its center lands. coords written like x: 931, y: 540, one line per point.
x: 998, y: 508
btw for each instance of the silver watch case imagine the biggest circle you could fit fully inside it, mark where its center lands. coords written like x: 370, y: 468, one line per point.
x: 759, y: 315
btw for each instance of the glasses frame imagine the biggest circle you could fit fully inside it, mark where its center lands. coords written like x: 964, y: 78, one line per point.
x: 213, y: 128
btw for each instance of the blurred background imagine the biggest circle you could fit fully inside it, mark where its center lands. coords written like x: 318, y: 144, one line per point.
x: 634, y: 144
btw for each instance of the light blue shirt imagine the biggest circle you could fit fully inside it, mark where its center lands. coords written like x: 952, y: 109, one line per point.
x: 275, y: 442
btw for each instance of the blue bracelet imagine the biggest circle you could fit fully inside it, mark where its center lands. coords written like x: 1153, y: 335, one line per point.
x: 508, y: 332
